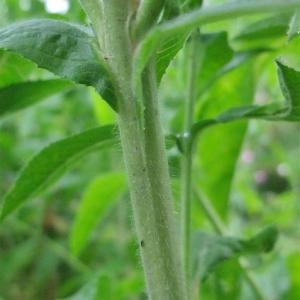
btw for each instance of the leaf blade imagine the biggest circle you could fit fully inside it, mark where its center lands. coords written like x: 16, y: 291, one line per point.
x: 21, y: 95
x: 48, y: 165
x: 66, y: 49
x: 212, y: 250
x: 102, y: 192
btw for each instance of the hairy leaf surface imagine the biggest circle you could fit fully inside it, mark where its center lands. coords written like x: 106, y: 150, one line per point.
x: 66, y: 49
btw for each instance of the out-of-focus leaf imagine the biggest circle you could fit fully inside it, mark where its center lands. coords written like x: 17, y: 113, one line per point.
x: 271, y: 27
x: 219, y: 59
x: 294, y: 26
x: 97, y: 199
x: 217, y: 53
x: 65, y: 49
x: 21, y: 95
x: 17, y: 258
x: 293, y: 262
x: 189, y: 5
x: 185, y: 23
x: 216, y: 173
x: 171, y: 9
x: 49, y: 164
x: 13, y: 68
x: 289, y: 111
x: 90, y: 291
x: 104, y: 113
x: 210, y: 251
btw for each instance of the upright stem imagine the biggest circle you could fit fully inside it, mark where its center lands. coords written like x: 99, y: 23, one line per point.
x: 145, y: 160
x: 163, y: 222
x: 186, y: 163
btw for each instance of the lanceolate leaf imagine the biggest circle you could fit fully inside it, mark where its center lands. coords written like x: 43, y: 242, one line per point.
x: 100, y: 195
x: 65, y: 49
x: 49, y: 164
x: 210, y: 251
x: 21, y: 95
x: 233, y: 89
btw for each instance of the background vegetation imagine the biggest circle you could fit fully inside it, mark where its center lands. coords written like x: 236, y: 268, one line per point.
x: 249, y: 171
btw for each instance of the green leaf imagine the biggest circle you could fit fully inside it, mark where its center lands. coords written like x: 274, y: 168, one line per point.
x: 219, y: 59
x: 294, y: 26
x: 216, y: 54
x: 13, y: 68
x: 289, y: 111
x: 293, y: 263
x: 50, y: 163
x: 90, y: 291
x: 189, y: 5
x: 167, y: 51
x: 289, y: 80
x: 170, y: 46
x: 185, y: 23
x: 100, y: 195
x: 21, y: 95
x: 66, y: 49
x: 210, y: 250
x: 272, y: 27
x: 232, y: 90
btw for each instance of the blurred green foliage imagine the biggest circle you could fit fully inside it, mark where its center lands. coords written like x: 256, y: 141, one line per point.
x: 259, y: 188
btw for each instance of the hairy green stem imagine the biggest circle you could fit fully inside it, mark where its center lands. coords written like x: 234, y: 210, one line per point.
x: 220, y: 228
x: 94, y: 10
x: 161, y: 202
x: 186, y: 161
x: 145, y: 159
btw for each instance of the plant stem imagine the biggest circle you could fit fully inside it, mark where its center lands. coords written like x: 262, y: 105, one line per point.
x: 220, y: 228
x: 145, y: 160
x: 186, y: 162
x: 163, y: 211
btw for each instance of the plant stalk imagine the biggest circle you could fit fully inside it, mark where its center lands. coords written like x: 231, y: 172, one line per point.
x: 186, y: 162
x: 145, y: 160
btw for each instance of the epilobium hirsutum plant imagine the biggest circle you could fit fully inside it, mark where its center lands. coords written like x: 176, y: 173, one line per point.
x: 124, y: 55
